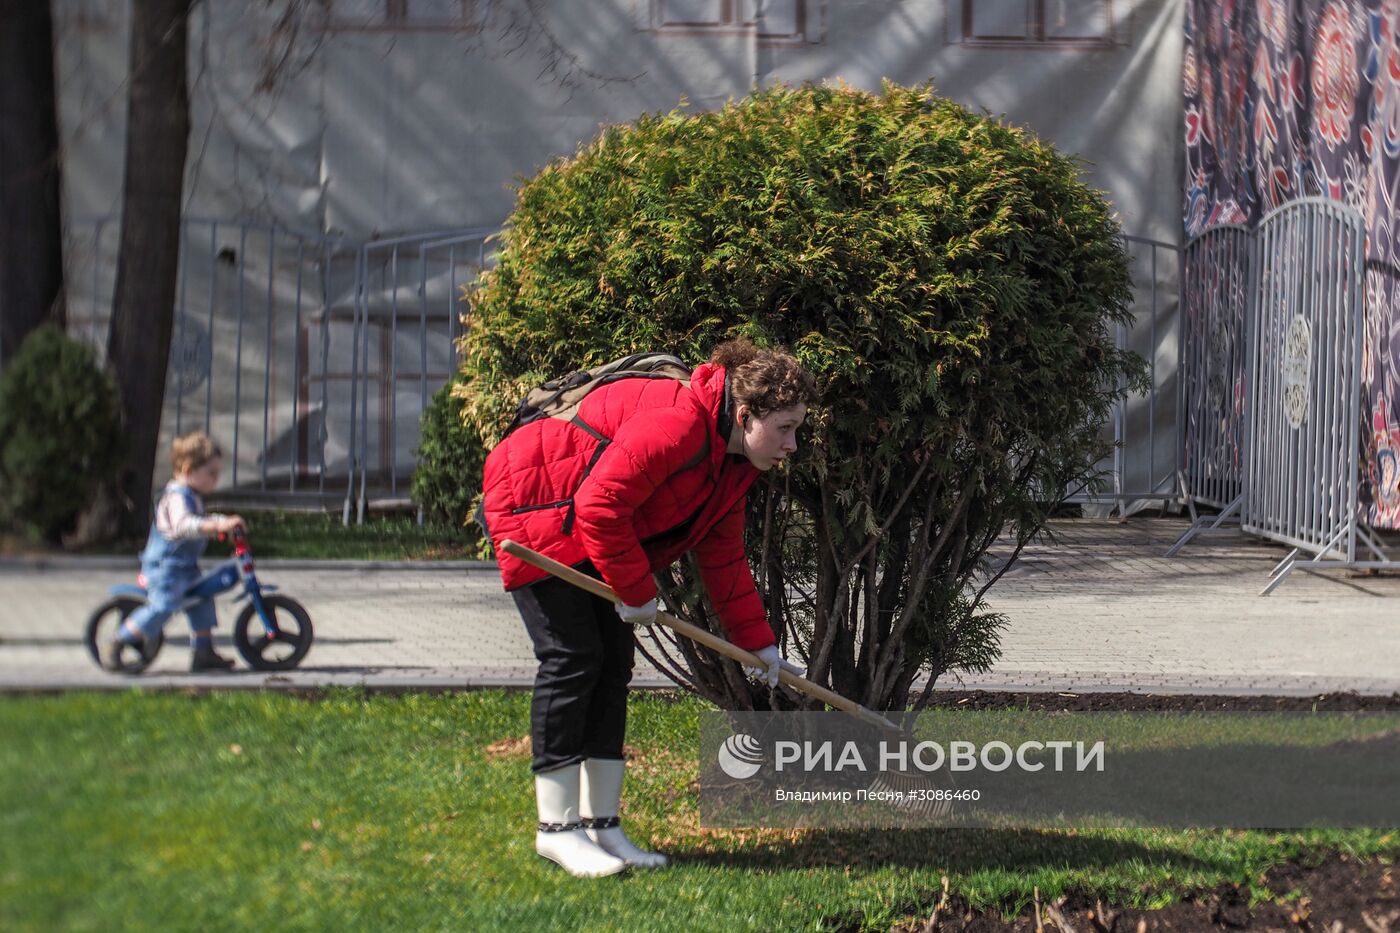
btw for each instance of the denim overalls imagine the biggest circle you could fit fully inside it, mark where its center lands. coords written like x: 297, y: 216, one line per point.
x: 171, y: 568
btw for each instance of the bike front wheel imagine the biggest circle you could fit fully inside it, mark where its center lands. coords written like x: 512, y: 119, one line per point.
x: 102, y: 627
x: 281, y: 652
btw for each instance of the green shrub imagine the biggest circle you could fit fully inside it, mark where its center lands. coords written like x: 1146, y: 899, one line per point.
x: 447, y: 478
x: 949, y: 280
x: 60, y: 434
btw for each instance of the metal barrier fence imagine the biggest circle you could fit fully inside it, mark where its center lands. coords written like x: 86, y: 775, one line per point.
x: 309, y: 357
x: 312, y: 357
x: 1215, y: 305
x: 242, y: 288
x: 1305, y: 380
x: 1214, y: 364
x: 1284, y: 451
x: 420, y: 272
x: 1143, y: 428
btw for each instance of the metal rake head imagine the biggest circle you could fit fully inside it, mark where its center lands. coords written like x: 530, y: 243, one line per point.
x: 916, y: 794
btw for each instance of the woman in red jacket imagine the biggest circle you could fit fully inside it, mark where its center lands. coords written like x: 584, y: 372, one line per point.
x: 649, y: 470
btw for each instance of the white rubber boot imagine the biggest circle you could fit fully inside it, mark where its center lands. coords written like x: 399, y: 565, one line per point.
x: 560, y: 837
x: 599, y: 801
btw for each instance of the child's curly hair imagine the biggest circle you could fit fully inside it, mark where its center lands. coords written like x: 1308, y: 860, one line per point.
x: 766, y: 380
x: 191, y: 451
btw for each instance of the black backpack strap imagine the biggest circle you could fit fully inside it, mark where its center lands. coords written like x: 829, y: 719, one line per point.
x: 603, y: 443
x: 589, y: 429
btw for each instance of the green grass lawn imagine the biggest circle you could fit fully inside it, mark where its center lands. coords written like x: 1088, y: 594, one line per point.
x: 265, y: 810
x: 315, y: 536
x: 320, y: 535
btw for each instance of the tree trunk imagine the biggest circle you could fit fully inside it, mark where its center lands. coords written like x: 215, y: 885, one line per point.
x: 143, y: 308
x: 31, y: 244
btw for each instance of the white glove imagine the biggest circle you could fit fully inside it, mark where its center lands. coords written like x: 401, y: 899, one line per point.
x: 645, y: 614
x: 773, y: 662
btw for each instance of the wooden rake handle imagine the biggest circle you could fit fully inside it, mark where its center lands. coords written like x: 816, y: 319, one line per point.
x: 694, y: 633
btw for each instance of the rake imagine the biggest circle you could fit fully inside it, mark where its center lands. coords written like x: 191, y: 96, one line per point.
x: 901, y: 782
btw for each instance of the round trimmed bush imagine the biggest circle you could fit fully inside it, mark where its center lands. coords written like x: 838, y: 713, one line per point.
x: 60, y: 434
x: 949, y: 279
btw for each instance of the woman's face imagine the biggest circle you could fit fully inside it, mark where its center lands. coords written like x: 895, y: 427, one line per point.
x: 769, y: 440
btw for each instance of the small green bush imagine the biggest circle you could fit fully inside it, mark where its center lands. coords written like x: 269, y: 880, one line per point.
x: 451, y: 457
x: 60, y: 434
x: 949, y: 279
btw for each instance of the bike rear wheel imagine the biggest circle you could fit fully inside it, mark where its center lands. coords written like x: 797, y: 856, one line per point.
x: 102, y: 628
x: 282, y: 652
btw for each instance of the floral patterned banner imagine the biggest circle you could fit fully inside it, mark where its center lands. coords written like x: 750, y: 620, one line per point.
x: 1286, y: 100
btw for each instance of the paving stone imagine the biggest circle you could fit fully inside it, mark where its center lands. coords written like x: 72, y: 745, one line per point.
x: 1100, y: 608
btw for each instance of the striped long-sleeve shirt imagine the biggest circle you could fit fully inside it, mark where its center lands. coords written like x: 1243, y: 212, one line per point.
x: 174, y: 520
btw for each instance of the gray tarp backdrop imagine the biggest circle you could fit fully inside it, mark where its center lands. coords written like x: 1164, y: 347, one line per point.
x: 346, y: 121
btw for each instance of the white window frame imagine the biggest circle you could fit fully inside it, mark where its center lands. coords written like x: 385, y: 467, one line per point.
x: 395, y: 16
x: 1037, y: 38
x: 809, y: 15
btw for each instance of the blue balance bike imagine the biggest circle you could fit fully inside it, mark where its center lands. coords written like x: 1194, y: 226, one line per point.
x: 272, y: 633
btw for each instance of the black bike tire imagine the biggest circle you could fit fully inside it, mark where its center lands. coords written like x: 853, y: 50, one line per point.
x: 130, y: 604
x: 248, y: 617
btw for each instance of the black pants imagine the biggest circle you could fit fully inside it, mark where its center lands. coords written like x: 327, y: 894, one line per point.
x: 579, y: 709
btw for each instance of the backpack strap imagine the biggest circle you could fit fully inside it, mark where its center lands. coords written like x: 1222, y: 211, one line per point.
x: 603, y: 443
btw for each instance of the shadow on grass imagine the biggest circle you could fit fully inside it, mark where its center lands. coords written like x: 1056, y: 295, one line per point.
x: 948, y: 850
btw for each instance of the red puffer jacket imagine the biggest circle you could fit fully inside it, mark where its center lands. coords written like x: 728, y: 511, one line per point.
x: 663, y: 486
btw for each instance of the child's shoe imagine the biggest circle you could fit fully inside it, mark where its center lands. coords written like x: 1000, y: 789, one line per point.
x: 112, y: 654
x: 113, y: 661
x: 207, y: 659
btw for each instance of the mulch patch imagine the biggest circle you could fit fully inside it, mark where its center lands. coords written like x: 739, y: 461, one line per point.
x: 1338, y: 894
x: 1094, y: 701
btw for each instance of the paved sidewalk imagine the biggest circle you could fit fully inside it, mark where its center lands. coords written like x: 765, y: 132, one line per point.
x: 1100, y: 609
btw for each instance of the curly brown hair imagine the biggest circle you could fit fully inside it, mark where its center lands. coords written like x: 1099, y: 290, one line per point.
x: 191, y: 451
x: 766, y: 380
